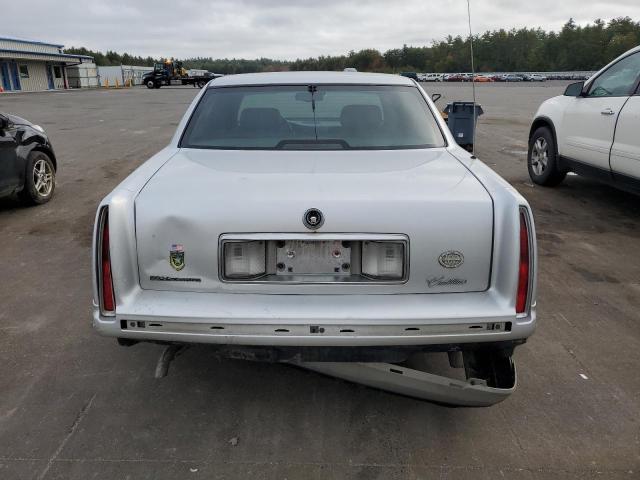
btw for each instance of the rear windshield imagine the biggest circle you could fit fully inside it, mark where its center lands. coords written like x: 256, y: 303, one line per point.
x: 323, y: 117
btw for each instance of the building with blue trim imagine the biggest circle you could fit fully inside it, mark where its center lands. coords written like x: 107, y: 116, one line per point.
x: 31, y: 66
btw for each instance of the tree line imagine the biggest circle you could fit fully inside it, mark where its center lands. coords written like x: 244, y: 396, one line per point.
x: 112, y: 58
x: 572, y: 48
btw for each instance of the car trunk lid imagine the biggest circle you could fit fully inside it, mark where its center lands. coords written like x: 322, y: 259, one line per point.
x: 426, y: 195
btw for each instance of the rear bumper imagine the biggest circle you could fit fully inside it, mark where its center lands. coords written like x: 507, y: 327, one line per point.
x: 316, y: 320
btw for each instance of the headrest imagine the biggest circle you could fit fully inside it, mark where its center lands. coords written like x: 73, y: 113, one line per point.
x: 262, y: 119
x: 361, y: 117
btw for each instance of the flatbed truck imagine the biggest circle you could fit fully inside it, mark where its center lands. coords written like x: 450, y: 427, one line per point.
x: 172, y: 73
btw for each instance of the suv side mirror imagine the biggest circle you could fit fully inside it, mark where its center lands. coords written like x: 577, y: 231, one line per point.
x: 574, y: 89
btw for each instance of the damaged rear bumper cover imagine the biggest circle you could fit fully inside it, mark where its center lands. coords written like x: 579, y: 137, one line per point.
x: 419, y: 384
x: 489, y: 369
x: 368, y: 345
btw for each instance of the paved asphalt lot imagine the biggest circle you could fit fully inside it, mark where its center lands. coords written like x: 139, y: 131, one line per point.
x: 77, y: 406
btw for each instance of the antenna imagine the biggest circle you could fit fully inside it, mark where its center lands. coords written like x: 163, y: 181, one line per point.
x: 473, y: 83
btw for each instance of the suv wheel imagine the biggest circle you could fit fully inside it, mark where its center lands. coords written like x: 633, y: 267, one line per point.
x: 150, y: 84
x: 542, y: 159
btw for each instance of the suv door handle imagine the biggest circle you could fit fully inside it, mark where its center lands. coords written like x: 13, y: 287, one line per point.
x: 607, y: 111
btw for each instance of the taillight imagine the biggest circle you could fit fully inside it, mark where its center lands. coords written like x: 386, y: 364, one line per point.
x: 524, y: 269
x: 105, y: 281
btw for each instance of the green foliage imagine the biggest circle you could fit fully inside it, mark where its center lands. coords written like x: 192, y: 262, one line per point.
x: 112, y: 58
x: 235, y: 65
x: 574, y: 47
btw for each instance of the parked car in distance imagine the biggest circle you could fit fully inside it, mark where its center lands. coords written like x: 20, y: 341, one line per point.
x: 391, y: 240
x: 482, y: 78
x: 412, y: 75
x: 455, y: 77
x: 511, y: 77
x: 592, y: 129
x: 27, y: 163
x: 433, y: 77
x: 534, y: 77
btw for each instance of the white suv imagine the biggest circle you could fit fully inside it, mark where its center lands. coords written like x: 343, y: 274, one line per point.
x: 592, y: 129
x: 432, y: 77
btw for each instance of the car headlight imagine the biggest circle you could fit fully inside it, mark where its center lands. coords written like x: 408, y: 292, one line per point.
x: 38, y: 128
x: 383, y: 259
x: 244, y: 259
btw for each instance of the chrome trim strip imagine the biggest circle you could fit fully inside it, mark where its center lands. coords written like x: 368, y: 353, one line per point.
x: 322, y: 330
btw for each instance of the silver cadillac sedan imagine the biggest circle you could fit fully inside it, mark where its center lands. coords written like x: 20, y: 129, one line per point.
x: 319, y: 217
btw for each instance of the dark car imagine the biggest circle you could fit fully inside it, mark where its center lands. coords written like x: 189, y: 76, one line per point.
x: 512, y: 77
x: 412, y: 75
x: 27, y: 162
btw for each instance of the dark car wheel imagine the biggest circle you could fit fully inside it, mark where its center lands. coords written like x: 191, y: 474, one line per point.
x: 150, y: 84
x: 40, y: 179
x: 542, y: 159
x: 201, y: 83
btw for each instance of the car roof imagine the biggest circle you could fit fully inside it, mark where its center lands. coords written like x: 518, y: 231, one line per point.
x: 311, y: 78
x: 633, y: 50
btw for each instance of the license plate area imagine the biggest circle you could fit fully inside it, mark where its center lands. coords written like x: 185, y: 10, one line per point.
x: 313, y: 257
x: 316, y: 258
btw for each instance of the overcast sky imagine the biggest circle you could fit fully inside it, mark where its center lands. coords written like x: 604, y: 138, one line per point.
x: 282, y: 29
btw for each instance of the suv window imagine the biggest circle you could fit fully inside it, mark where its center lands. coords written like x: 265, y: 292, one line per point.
x: 323, y: 117
x: 618, y: 80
